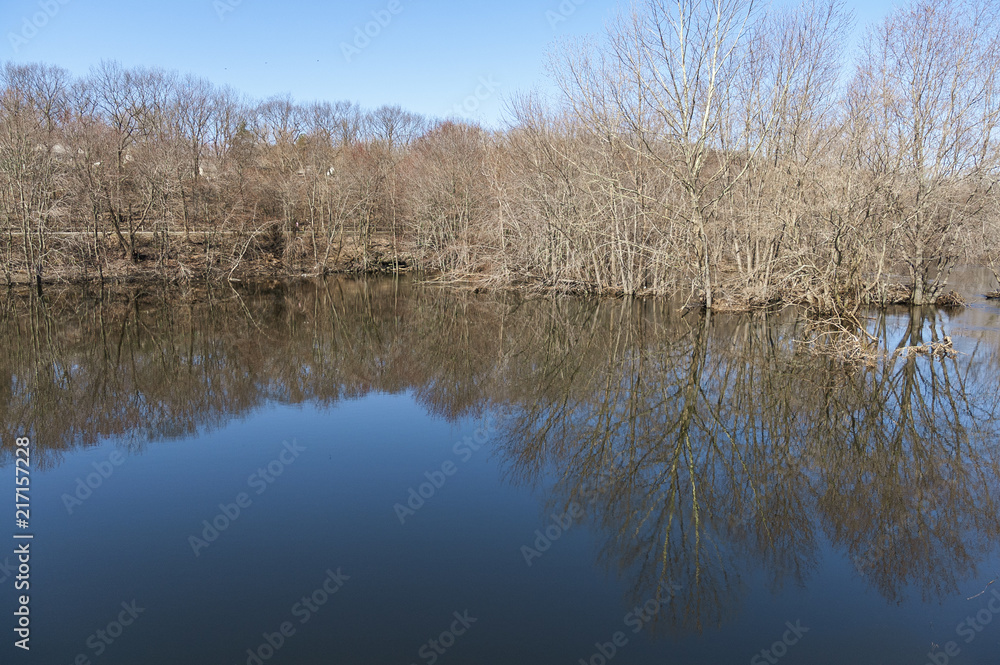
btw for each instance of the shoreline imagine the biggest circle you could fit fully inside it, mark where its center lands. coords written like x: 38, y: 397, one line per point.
x: 146, y: 276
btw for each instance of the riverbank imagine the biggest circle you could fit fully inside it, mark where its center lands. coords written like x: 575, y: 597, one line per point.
x: 178, y: 257
x: 269, y: 253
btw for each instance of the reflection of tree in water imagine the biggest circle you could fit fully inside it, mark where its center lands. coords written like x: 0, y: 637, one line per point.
x: 691, y: 484
x: 154, y: 365
x: 907, y: 469
x: 703, y: 449
x: 721, y: 449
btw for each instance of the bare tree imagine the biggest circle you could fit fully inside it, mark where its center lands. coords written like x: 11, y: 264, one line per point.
x: 193, y: 109
x: 31, y: 166
x: 928, y: 88
x: 704, y: 147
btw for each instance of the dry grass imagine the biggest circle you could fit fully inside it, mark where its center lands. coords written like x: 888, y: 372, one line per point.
x: 951, y: 299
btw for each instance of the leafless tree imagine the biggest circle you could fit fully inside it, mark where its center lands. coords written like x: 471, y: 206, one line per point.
x: 718, y: 149
x: 928, y: 90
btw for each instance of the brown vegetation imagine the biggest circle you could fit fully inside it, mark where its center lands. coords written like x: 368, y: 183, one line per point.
x: 707, y: 149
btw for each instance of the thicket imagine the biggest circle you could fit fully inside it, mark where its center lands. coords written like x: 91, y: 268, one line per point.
x: 709, y: 148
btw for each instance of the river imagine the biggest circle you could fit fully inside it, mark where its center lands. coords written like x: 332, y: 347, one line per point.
x: 378, y: 471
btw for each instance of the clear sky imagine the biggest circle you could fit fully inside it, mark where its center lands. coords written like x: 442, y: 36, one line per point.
x: 427, y: 56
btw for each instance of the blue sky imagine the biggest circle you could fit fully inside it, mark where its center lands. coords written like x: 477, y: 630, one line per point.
x: 428, y: 56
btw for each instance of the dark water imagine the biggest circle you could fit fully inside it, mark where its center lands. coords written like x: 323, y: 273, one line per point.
x: 685, y: 490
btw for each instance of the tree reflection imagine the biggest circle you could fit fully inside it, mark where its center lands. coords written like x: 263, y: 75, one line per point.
x: 705, y: 450
x: 719, y: 448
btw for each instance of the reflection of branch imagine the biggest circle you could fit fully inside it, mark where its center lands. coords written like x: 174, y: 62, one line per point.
x: 246, y: 310
x: 984, y: 589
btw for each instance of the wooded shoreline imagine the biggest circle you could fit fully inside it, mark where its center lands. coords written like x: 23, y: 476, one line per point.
x: 735, y: 157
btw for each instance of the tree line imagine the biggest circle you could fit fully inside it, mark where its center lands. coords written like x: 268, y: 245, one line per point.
x: 733, y: 154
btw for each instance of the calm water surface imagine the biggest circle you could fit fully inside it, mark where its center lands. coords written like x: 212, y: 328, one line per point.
x: 399, y: 474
